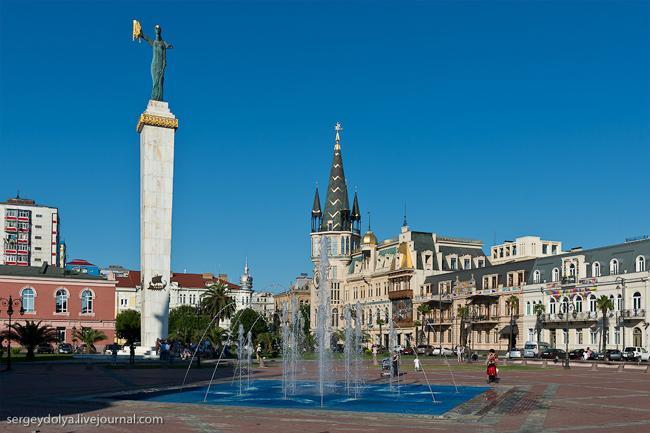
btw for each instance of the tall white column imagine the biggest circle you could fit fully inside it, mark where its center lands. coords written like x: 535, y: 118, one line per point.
x: 157, y: 126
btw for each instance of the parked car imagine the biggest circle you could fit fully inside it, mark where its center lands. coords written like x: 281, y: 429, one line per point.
x: 408, y: 351
x: 444, y: 352
x: 424, y: 349
x: 44, y: 348
x: 109, y: 348
x: 577, y: 354
x: 635, y: 353
x: 613, y: 355
x: 556, y: 354
x: 65, y: 348
x: 515, y: 354
x: 532, y: 349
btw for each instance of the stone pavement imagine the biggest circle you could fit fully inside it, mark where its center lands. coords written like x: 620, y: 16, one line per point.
x: 528, y: 399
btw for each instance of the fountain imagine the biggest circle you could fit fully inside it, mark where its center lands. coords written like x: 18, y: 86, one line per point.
x: 323, y: 338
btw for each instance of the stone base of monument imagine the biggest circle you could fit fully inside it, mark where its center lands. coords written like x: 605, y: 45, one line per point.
x: 146, y: 352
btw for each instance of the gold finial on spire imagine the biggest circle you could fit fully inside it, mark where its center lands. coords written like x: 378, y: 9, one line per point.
x: 338, y: 128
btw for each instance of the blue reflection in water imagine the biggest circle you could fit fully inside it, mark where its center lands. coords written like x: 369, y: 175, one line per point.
x: 412, y: 399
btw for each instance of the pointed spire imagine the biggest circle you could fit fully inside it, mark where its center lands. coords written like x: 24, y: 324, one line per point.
x: 356, y: 213
x: 404, y: 223
x: 336, y: 215
x: 315, y: 210
x: 338, y: 128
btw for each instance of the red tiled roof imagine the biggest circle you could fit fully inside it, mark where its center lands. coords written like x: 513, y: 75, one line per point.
x: 183, y: 280
x: 80, y: 262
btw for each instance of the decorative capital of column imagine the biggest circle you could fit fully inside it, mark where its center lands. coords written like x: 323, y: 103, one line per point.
x: 153, y: 120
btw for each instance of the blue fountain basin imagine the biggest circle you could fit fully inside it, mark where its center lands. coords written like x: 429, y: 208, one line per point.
x: 405, y: 399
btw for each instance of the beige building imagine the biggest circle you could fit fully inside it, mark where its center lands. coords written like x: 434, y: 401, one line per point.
x: 523, y: 248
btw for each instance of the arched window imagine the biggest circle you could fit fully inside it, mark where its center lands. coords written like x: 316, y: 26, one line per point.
x: 613, y: 267
x: 595, y: 269
x: 592, y: 303
x: 551, y: 305
x: 370, y: 316
x: 537, y: 277
x: 27, y: 296
x: 619, y: 302
x: 61, y: 301
x: 636, y: 301
x: 640, y: 264
x: 555, y: 275
x: 335, y: 317
x: 565, y: 304
x: 87, y: 299
x: 578, y: 304
x: 572, y: 270
x: 528, y: 308
x: 637, y: 339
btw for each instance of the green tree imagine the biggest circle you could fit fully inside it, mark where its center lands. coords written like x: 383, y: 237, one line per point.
x: 30, y: 335
x: 127, y: 325
x: 251, y: 321
x: 604, y: 305
x: 89, y: 336
x: 216, y: 336
x: 538, y: 311
x: 513, y: 304
x: 216, y: 302
x: 463, y: 315
x: 424, y: 310
x: 380, y: 323
x: 187, y: 323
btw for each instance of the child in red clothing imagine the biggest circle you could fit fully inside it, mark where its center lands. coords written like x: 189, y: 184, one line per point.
x: 492, y: 361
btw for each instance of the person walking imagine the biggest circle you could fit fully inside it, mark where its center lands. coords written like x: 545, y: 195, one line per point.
x: 416, y: 364
x: 395, y: 364
x: 374, y: 354
x: 459, y: 353
x: 131, y: 353
x: 492, y: 364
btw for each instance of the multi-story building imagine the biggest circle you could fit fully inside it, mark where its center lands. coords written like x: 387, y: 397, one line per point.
x: 575, y: 281
x: 301, y: 289
x: 522, y: 248
x: 63, y: 300
x: 263, y: 303
x: 30, y: 233
x: 82, y: 266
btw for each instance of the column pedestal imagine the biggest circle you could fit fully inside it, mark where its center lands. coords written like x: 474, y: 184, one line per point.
x: 157, y: 126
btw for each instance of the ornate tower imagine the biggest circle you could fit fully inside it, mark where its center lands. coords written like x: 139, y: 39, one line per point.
x: 338, y: 224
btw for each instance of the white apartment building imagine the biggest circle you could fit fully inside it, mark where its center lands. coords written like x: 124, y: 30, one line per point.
x: 30, y: 233
x: 524, y: 248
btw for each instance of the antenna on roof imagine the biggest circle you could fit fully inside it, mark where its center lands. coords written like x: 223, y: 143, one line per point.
x: 404, y: 223
x: 368, y: 220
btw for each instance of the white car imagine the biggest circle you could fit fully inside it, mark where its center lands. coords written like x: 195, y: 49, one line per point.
x: 636, y: 354
x: 445, y: 352
x: 515, y: 354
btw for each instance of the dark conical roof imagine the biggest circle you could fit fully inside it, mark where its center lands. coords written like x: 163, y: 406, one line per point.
x: 356, y: 213
x: 315, y: 210
x: 337, y: 205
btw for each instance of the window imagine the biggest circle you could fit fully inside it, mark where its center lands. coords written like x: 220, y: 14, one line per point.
x: 61, y: 301
x: 531, y: 334
x: 595, y: 269
x: 593, y: 336
x: 572, y: 270
x: 466, y: 264
x: 60, y: 334
x: 528, y: 310
x: 617, y: 336
x: 192, y: 298
x: 565, y: 305
x: 579, y: 335
x: 640, y: 264
x: 592, y: 304
x: 551, y: 306
x: 27, y: 295
x: 636, y: 301
x: 537, y: 277
x: 87, y: 301
x: 565, y: 336
x: 555, y: 275
x: 124, y: 302
x: 578, y: 304
x: 613, y: 267
x: 453, y: 263
x: 619, y: 302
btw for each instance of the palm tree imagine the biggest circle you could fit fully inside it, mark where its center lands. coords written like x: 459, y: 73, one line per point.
x: 380, y: 322
x: 538, y: 310
x: 216, y: 302
x: 463, y: 314
x: 216, y: 336
x: 424, y: 309
x: 184, y: 334
x: 604, y: 304
x: 513, y: 303
x: 89, y: 336
x: 30, y: 335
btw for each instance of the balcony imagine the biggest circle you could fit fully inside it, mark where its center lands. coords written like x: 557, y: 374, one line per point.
x: 583, y: 316
x: 483, y: 318
x: 634, y: 314
x: 400, y: 294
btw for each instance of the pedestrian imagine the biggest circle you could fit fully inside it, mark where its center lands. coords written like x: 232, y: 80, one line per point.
x: 374, y: 354
x: 459, y: 353
x: 114, y: 353
x: 416, y: 364
x: 492, y: 366
x: 395, y: 364
x: 131, y: 353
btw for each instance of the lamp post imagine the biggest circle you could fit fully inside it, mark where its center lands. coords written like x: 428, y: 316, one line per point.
x: 10, y: 304
x: 199, y: 349
x: 568, y: 306
x: 621, y: 316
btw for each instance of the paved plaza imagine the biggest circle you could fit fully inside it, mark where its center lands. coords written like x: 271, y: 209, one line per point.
x: 528, y: 399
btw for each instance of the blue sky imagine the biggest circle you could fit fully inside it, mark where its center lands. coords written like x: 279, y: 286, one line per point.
x: 488, y: 119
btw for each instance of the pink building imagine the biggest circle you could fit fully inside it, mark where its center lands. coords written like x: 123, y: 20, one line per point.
x: 61, y: 299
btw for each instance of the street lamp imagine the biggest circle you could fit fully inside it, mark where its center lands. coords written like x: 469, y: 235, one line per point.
x: 10, y: 304
x: 621, y: 315
x: 568, y: 306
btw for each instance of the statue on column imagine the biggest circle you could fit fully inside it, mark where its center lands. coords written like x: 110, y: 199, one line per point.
x: 159, y: 60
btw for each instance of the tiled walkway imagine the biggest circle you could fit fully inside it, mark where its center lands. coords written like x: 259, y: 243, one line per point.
x: 527, y: 400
